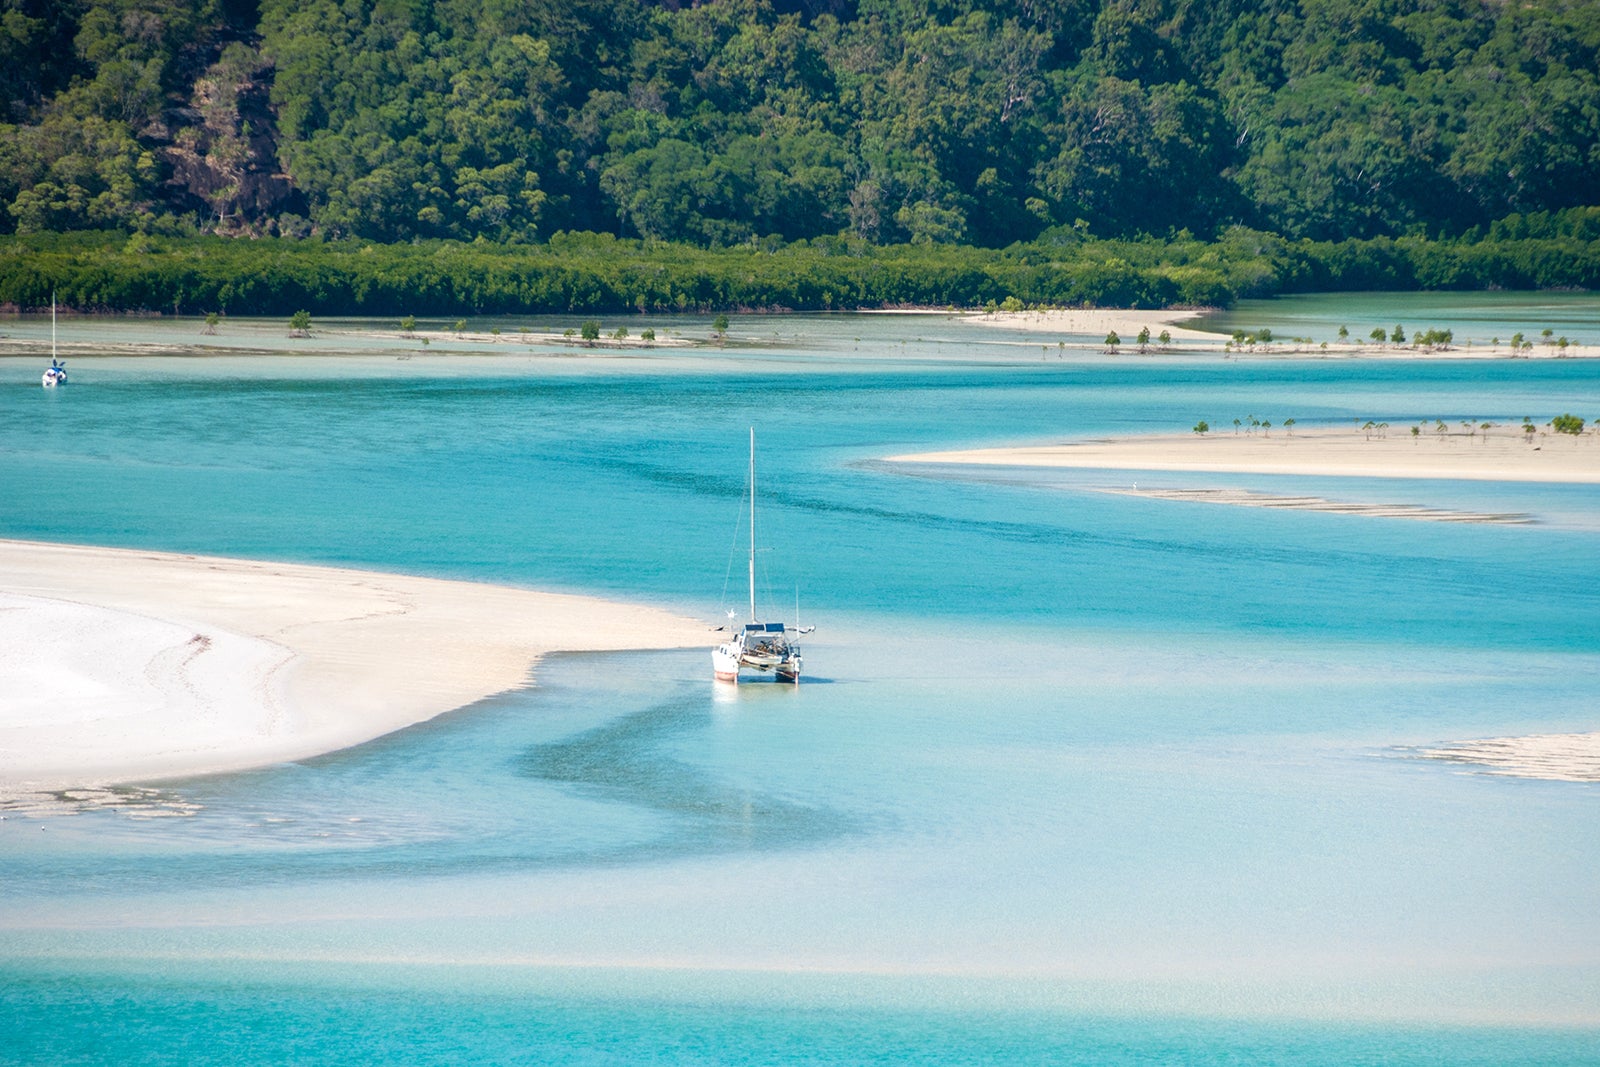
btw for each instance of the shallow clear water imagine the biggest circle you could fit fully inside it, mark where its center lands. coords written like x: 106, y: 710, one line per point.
x: 1076, y: 777
x: 1477, y: 320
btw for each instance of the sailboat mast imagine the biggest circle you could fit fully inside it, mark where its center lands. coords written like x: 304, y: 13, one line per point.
x: 752, y: 524
x: 52, y: 326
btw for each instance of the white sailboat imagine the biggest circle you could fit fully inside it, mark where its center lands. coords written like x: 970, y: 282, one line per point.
x: 57, y: 374
x: 767, y: 647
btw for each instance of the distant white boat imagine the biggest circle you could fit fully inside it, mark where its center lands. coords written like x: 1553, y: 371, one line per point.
x: 57, y: 374
x: 768, y: 647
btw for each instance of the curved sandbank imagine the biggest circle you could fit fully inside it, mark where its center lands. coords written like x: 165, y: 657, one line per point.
x: 123, y: 665
x: 1502, y: 453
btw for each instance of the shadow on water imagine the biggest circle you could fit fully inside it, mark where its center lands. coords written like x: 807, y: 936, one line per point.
x: 627, y: 761
x: 467, y: 793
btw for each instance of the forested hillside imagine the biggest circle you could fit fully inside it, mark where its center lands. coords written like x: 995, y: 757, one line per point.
x: 885, y: 121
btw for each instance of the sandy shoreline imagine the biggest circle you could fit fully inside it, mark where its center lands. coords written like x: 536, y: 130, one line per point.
x: 1501, y: 453
x: 1079, y: 331
x: 1089, y: 327
x: 1098, y: 322
x: 124, y: 665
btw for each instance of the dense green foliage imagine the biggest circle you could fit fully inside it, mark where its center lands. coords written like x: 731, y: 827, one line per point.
x: 730, y: 121
x: 591, y: 273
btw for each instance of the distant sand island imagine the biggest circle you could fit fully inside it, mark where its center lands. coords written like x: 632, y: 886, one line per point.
x: 125, y: 666
x: 1499, y: 452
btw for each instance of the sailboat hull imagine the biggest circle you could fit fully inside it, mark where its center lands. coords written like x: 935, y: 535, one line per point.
x: 729, y: 659
x: 724, y: 664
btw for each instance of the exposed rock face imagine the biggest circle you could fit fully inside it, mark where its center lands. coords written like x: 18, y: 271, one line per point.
x: 222, y: 146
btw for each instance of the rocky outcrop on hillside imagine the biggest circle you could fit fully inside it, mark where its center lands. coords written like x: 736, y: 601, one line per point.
x: 221, y: 147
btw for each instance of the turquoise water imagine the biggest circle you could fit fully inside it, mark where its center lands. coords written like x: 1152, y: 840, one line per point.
x: 1076, y: 777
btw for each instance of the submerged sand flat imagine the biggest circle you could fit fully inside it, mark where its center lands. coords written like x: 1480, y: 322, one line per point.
x: 120, y: 665
x: 1253, y: 499
x: 1503, y: 453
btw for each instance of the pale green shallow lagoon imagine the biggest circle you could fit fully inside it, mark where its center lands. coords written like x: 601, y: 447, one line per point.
x: 1077, y: 778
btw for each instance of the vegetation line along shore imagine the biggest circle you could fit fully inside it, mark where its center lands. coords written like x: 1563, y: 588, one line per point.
x: 599, y: 274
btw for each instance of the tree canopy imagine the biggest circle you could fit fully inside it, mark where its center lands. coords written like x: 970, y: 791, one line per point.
x: 981, y: 122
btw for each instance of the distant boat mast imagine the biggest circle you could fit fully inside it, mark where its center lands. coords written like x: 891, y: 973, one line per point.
x: 752, y: 524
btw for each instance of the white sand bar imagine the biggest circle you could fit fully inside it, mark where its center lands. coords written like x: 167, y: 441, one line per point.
x: 1098, y: 322
x: 1556, y: 757
x: 119, y: 665
x: 1502, y: 453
